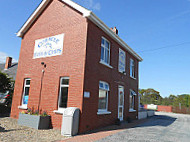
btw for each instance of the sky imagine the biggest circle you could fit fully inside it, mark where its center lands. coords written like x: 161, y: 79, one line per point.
x: 158, y: 30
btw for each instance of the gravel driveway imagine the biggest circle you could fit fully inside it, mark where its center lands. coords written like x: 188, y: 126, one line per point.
x: 164, y: 127
x: 11, y: 132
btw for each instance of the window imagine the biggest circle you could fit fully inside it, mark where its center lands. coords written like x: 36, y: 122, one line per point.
x: 105, y: 51
x: 26, y: 90
x: 63, y: 93
x: 132, y: 100
x: 132, y: 68
x: 103, y: 96
x: 121, y: 66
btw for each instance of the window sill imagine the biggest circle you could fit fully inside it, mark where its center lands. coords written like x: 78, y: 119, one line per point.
x: 103, y: 112
x: 123, y: 73
x: 59, y: 111
x: 133, y: 77
x: 132, y: 110
x: 23, y: 107
x: 105, y: 64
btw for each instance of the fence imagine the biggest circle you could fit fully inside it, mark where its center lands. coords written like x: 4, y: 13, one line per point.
x: 184, y: 110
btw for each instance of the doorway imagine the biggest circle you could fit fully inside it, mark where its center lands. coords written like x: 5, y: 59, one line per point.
x: 120, y: 102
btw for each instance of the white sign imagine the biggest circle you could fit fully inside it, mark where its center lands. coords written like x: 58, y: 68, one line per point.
x: 87, y: 94
x: 121, y: 66
x: 50, y: 46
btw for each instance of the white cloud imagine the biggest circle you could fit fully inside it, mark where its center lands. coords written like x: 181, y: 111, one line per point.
x: 3, y: 57
x: 93, y: 5
x: 179, y: 15
x: 97, y: 6
x: 90, y: 4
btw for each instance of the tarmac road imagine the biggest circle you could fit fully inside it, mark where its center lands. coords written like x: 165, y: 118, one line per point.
x: 163, y: 127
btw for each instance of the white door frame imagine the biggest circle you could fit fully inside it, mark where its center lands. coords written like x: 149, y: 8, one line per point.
x: 120, y: 106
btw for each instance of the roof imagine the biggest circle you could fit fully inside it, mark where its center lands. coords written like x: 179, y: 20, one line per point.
x: 11, y: 71
x: 87, y: 14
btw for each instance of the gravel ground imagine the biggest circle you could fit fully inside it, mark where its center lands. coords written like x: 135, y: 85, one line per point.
x: 11, y: 132
x: 164, y: 127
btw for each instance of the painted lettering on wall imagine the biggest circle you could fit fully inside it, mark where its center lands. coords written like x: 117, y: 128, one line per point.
x: 47, y: 47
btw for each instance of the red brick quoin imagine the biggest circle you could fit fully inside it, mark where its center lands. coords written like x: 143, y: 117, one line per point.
x: 79, y: 61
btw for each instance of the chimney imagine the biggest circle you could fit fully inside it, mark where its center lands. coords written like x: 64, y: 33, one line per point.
x: 115, y: 30
x: 8, y: 62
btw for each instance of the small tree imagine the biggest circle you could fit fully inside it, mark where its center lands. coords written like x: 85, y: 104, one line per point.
x: 6, y: 83
x: 150, y: 96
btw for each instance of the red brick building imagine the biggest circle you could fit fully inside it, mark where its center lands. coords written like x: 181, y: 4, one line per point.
x: 70, y: 58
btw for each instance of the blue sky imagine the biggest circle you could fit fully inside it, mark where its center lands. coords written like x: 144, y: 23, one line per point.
x: 159, y: 30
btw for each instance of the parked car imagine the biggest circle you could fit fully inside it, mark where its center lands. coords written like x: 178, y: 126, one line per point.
x: 5, y: 99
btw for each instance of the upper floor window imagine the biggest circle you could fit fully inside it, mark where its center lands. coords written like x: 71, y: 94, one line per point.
x: 105, y: 51
x: 121, y: 66
x: 132, y: 68
x: 103, y: 96
x: 26, y: 90
x: 63, y: 93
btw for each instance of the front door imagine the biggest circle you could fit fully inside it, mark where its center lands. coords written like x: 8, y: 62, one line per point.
x: 120, y: 102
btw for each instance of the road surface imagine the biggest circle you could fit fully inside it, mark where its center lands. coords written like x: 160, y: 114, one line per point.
x: 163, y: 127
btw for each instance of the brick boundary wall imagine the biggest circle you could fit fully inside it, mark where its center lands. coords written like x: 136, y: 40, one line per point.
x: 165, y: 108
x: 162, y: 108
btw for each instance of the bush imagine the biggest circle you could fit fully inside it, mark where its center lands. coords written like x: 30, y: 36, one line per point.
x: 6, y: 83
x: 36, y: 112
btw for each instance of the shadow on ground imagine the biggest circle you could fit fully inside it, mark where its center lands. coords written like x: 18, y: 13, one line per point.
x: 157, y: 120
x: 3, y: 129
x: 4, y: 111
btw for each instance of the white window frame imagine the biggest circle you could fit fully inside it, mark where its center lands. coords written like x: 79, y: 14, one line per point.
x: 26, y: 79
x: 60, y: 109
x: 120, y: 61
x: 103, y: 45
x: 132, y: 94
x: 132, y: 68
x: 102, y: 111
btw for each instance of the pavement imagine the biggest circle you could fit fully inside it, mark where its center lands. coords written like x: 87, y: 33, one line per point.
x: 163, y: 127
x: 103, y: 132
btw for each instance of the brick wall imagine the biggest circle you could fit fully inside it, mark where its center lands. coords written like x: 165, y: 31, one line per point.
x: 56, y: 19
x: 95, y: 72
x: 165, y: 108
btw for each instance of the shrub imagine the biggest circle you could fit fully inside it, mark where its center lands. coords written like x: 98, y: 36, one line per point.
x: 36, y: 112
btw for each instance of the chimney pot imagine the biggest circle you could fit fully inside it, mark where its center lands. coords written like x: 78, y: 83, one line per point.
x: 115, y: 30
x: 8, y: 62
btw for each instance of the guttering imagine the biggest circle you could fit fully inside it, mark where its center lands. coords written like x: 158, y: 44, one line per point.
x: 79, y: 8
x: 108, y: 31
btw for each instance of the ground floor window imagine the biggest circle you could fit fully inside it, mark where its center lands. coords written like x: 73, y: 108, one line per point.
x: 63, y: 93
x: 132, y: 100
x: 103, y: 96
x: 26, y: 90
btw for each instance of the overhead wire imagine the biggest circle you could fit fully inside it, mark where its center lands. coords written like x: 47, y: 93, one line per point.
x: 164, y: 47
